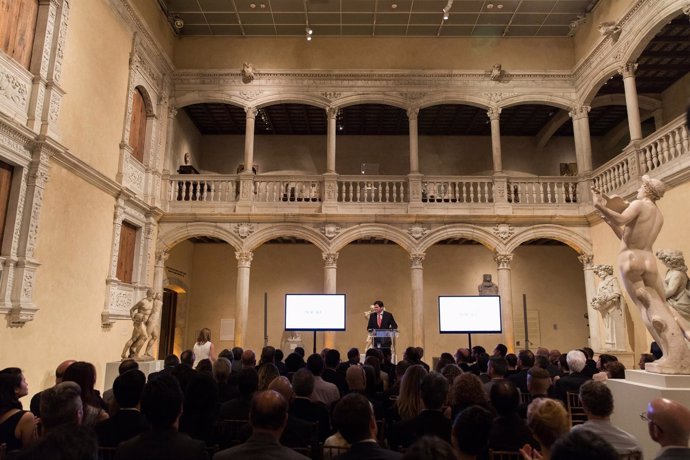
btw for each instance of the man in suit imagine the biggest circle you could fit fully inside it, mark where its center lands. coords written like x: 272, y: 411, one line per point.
x: 525, y: 362
x: 128, y: 421
x: 355, y: 420
x: 35, y: 405
x: 669, y: 426
x: 161, y: 403
x: 268, y: 417
x: 572, y: 382
x: 381, y: 319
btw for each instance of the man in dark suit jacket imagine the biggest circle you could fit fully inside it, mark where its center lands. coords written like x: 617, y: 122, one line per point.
x: 127, y: 422
x: 509, y: 431
x: 268, y: 418
x: 572, y: 382
x: 431, y: 421
x: 161, y: 402
x: 354, y: 419
x: 306, y: 409
x: 525, y: 362
x: 381, y: 319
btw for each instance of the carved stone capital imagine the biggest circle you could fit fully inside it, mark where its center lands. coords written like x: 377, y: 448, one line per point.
x: 251, y: 112
x: 580, y: 112
x: 494, y: 113
x: 172, y: 111
x: 244, y: 258
x: 161, y: 256
x: 330, y: 259
x: 586, y: 261
x: 412, y: 113
x: 628, y: 69
x: 332, y: 112
x: 686, y: 10
x: 503, y: 261
x: 416, y: 259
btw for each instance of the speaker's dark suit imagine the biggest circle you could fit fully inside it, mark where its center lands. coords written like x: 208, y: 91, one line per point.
x: 387, y: 322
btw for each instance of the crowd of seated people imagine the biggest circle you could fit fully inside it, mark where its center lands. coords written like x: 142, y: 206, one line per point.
x: 320, y: 407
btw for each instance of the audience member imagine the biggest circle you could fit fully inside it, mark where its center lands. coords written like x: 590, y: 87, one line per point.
x: 331, y: 375
x: 430, y: 448
x: 267, y: 372
x: 430, y: 421
x: 293, y: 363
x: 500, y: 351
x: 463, y: 359
x: 248, y: 359
x: 471, y: 432
x: 580, y: 445
x: 84, y: 374
x: 547, y: 419
x: 17, y: 427
x: 465, y: 392
x: 238, y: 408
x: 496, y: 370
x: 279, y: 361
x: 161, y: 403
x: 297, y: 432
x: 35, y: 404
x: 420, y: 353
x: 304, y: 408
x: 644, y: 359
x: 110, y: 403
x: 525, y: 362
x: 324, y: 392
x: 237, y: 358
x: 300, y: 352
x: 200, y: 409
x: 482, y: 366
x: 169, y: 364
x: 61, y: 406
x: 509, y: 431
x: 268, y: 417
x: 615, y: 370
x: 538, y: 385
x: 222, y: 369
x: 380, y: 381
x: 354, y: 419
x: 602, y: 362
x: 512, y: 360
x: 409, y: 403
x: 205, y: 365
x: 669, y: 426
x: 184, y: 371
x: 127, y: 421
x: 268, y: 356
x: 554, y: 355
x: 590, y: 365
x: 571, y: 382
x: 387, y: 365
x: 597, y: 402
x: 443, y: 361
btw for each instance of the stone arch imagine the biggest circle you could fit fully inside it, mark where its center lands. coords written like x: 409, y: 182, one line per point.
x: 438, y: 99
x: 471, y: 232
x: 658, y: 14
x: 560, y: 102
x: 387, y: 99
x: 389, y: 232
x: 170, y: 237
x: 146, y: 94
x: 201, y: 97
x: 290, y: 98
x: 263, y: 235
x: 576, y: 241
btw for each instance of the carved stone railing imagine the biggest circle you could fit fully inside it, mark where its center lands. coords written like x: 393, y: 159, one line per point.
x: 373, y: 189
x: 664, y: 149
x: 472, y: 189
x: 542, y: 190
x: 202, y: 187
x: 270, y: 189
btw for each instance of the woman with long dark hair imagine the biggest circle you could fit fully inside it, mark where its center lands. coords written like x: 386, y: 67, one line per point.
x: 17, y: 426
x: 84, y: 374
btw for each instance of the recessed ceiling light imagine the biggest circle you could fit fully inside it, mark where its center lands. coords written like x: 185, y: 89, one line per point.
x: 499, y: 6
x: 489, y: 6
x: 394, y: 5
x: 262, y: 5
x: 252, y: 5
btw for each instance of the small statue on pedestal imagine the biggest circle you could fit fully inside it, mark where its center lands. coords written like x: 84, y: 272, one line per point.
x: 609, y: 302
x: 487, y: 287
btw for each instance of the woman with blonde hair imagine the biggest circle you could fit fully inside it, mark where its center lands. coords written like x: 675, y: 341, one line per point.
x: 409, y: 402
x: 203, y: 348
x: 548, y: 421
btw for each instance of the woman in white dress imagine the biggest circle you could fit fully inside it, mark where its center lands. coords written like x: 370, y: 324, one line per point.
x: 203, y: 348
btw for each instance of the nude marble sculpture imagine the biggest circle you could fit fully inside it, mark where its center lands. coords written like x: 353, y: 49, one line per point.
x: 140, y: 313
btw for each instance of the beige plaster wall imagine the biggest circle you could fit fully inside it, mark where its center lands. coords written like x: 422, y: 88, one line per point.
x: 186, y: 139
x: 178, y: 277
x: 437, y: 154
x: 95, y: 74
x: 676, y: 98
x: 74, y: 252
x: 157, y: 25
x: 534, y: 54
x: 370, y: 272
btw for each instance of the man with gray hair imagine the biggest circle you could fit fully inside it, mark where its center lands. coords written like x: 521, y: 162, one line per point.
x: 597, y: 402
x: 572, y: 382
x: 61, y: 405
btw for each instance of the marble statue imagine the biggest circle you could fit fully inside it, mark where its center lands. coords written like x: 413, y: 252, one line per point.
x: 153, y: 324
x: 677, y: 287
x: 289, y: 341
x: 496, y: 73
x: 609, y: 302
x: 370, y: 340
x: 638, y: 224
x: 247, y: 73
x: 140, y: 314
x: 487, y: 287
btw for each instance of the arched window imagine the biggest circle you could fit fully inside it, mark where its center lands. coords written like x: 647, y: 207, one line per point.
x: 137, y: 127
x: 17, y: 28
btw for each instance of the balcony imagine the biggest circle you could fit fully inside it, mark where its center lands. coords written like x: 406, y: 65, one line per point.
x: 664, y: 154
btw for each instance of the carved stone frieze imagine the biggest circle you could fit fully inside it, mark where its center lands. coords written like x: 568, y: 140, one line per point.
x: 250, y: 95
x: 330, y: 231
x: 60, y: 45
x: 331, y: 95
x: 243, y: 230
x: 417, y: 231
x: 504, y: 231
x: 13, y: 89
x: 496, y: 97
x: 133, y: 175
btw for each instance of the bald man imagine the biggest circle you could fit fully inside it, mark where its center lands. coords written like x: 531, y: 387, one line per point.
x: 669, y: 426
x: 298, y: 432
x: 268, y: 418
x: 35, y: 403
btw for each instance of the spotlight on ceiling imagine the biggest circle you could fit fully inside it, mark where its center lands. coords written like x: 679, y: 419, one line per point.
x: 446, y: 10
x: 309, y: 33
x: 178, y: 23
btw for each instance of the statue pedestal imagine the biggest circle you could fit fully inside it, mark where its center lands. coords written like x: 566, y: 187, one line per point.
x: 630, y: 398
x: 111, y: 370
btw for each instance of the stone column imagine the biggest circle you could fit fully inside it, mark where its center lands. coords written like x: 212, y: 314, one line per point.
x: 249, y: 139
x: 505, y: 290
x: 494, y: 114
x: 417, y: 283
x: 172, y: 113
x: 631, y: 102
x: 590, y: 291
x: 412, y: 115
x: 332, y: 114
x: 159, y: 270
x: 583, y: 142
x: 244, y: 262
x: 330, y: 272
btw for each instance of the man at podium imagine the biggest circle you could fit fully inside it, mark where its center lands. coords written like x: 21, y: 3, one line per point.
x: 381, y: 319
